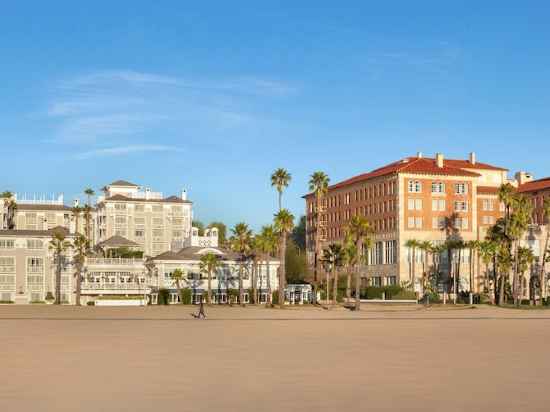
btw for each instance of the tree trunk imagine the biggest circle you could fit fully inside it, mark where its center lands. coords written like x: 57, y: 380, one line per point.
x: 58, y: 281
x: 327, y: 277
x: 335, y: 289
x: 358, y: 277
x: 516, y: 276
x: 501, y: 291
x: 209, y: 295
x: 348, y: 284
x: 542, y: 276
x: 78, y: 284
x: 241, y: 289
x: 268, y: 283
x: 282, y: 271
x: 254, y: 281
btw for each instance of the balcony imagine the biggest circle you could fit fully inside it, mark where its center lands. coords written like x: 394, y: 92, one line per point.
x: 111, y: 287
x: 115, y: 261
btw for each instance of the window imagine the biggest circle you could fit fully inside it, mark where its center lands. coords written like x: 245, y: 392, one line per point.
x: 461, y: 188
x: 461, y: 206
x: 461, y: 223
x: 34, y: 244
x: 139, y: 208
x: 438, y: 205
x: 488, y: 220
x: 415, y: 222
x: 120, y: 220
x: 415, y: 186
x: 35, y: 265
x: 157, y: 208
x: 120, y: 206
x: 7, y: 243
x: 488, y: 205
x: 438, y: 187
x: 415, y: 204
x: 7, y: 264
x: 376, y: 281
x: 390, y: 255
x: 410, y: 223
x: 140, y: 233
x: 391, y: 280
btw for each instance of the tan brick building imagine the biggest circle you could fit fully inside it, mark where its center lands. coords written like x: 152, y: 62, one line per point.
x: 413, y: 198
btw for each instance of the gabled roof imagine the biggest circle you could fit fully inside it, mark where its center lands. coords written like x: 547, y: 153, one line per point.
x: 414, y: 165
x: 118, y: 241
x: 170, y: 199
x: 535, y: 185
x: 123, y: 183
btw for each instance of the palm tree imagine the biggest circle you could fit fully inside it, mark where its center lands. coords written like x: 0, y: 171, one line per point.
x: 81, y: 247
x: 59, y: 245
x: 280, y: 179
x: 412, y: 245
x: 350, y: 257
x: 318, y: 185
x: 525, y: 258
x: 518, y: 224
x: 487, y: 252
x: 426, y: 248
x: 283, y: 223
x: 333, y: 257
x: 76, y: 210
x: 473, y: 247
x: 178, y: 276
x: 497, y: 235
x: 209, y: 264
x: 241, y: 243
x: 544, y: 255
x: 10, y: 206
x: 89, y: 192
x: 268, y: 246
x: 360, y: 230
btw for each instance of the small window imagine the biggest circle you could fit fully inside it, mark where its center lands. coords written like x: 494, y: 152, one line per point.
x: 415, y: 186
x: 461, y: 188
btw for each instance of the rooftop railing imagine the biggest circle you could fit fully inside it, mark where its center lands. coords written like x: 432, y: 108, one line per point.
x: 115, y: 261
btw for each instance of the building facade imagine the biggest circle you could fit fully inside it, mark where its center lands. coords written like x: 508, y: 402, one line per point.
x: 425, y: 199
x: 156, y: 223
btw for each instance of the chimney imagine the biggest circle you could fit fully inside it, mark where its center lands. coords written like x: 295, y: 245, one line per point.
x: 419, y: 155
x: 523, y: 177
x: 439, y: 159
x: 473, y: 158
x: 183, y: 194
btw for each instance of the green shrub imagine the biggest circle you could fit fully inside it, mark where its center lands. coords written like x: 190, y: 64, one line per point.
x: 163, y: 297
x: 120, y: 297
x: 38, y: 302
x: 5, y: 302
x: 90, y: 303
x: 405, y: 295
x: 275, y: 297
x: 186, y: 296
x: 49, y: 296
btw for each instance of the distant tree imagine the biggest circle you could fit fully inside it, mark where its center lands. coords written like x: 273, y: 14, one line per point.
x: 59, y: 245
x: 222, y: 232
x: 209, y: 264
x: 81, y: 247
x: 283, y: 223
x: 299, y: 234
x: 280, y: 180
x: 296, y: 264
x: 199, y: 225
x: 241, y: 243
x: 10, y: 206
x: 178, y: 275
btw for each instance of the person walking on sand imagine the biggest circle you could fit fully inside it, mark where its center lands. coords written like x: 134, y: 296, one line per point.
x: 201, y: 314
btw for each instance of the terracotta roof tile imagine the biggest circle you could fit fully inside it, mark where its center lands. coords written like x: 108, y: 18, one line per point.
x: 123, y: 183
x: 487, y: 190
x: 414, y: 165
x: 535, y: 185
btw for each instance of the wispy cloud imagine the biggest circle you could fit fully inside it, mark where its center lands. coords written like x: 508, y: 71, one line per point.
x: 118, y: 107
x: 124, y: 150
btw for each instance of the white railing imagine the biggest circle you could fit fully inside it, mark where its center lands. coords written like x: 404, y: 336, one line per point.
x: 35, y: 269
x: 115, y: 261
x: 110, y: 286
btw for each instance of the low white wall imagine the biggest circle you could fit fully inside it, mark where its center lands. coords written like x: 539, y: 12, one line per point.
x: 118, y: 302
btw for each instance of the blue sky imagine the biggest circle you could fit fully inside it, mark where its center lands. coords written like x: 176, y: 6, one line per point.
x: 212, y: 96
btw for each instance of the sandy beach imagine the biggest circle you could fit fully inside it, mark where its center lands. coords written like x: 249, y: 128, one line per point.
x: 402, y: 358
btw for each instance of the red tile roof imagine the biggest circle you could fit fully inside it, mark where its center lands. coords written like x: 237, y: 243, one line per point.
x: 535, y: 185
x: 412, y: 165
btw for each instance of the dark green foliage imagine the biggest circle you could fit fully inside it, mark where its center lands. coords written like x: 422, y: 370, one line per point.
x: 199, y: 225
x: 296, y: 264
x: 392, y: 293
x: 49, y: 296
x: 125, y: 253
x: 222, y: 232
x: 185, y: 296
x: 275, y: 296
x: 299, y: 234
x: 163, y: 297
